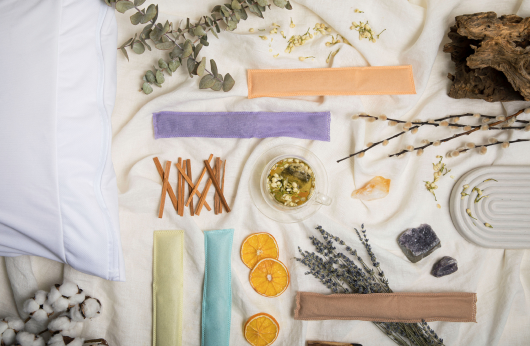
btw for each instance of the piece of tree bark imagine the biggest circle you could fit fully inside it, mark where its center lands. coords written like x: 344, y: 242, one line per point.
x: 491, y: 57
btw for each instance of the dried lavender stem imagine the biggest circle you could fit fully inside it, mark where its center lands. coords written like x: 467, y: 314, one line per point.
x: 498, y: 143
x: 457, y: 135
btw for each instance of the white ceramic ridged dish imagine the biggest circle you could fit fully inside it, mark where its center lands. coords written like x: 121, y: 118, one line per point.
x: 506, y: 209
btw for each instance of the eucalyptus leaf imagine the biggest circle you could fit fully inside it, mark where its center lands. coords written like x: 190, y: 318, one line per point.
x: 262, y: 2
x: 174, y: 65
x: 155, y: 34
x: 209, y: 21
x: 237, y: 15
x: 124, y: 51
x: 156, y: 14
x: 231, y: 25
x: 216, y: 9
x: 145, y: 43
x: 127, y: 43
x: 197, y: 50
x: 218, y: 84
x: 199, y: 31
x: 165, y: 45
x: 150, y: 76
x: 206, y: 82
x: 236, y: 5
x: 255, y: 9
x: 166, y: 27
x: 217, y: 28
x: 288, y: 6
x: 225, y: 10
x: 150, y: 13
x: 138, y: 2
x: 160, y: 77
x: 188, y: 49
x: 169, y: 72
x: 162, y: 64
x: 177, y: 52
x: 138, y: 47
x: 280, y: 3
x: 213, y: 66
x: 201, y: 67
x: 158, y: 85
x: 187, y: 23
x: 136, y: 18
x: 243, y: 13
x: 147, y: 89
x: 190, y: 64
x: 214, y: 33
x: 146, y: 30
x: 124, y: 6
x: 204, y: 42
x: 228, y: 82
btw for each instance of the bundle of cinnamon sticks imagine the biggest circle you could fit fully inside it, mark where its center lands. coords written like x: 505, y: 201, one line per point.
x: 179, y: 200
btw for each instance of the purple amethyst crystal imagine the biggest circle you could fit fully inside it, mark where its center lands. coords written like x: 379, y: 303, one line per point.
x: 418, y: 243
x: 445, y: 266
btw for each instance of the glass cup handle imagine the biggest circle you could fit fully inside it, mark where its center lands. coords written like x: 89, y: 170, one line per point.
x: 323, y: 199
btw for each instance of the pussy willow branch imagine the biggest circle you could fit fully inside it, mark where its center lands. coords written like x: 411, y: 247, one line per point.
x: 457, y: 135
x: 490, y: 144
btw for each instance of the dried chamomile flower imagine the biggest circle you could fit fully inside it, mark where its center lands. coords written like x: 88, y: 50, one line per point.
x: 276, y: 55
x: 274, y: 31
x: 61, y: 340
x: 505, y: 145
x: 468, y: 211
x: 333, y: 41
x: 483, y: 150
x: 37, y: 307
x: 297, y: 40
x: 488, y: 225
x: 440, y: 170
x: 292, y: 24
x: 358, y: 11
x: 28, y: 339
x: 365, y: 31
x: 283, y: 34
x: 264, y: 38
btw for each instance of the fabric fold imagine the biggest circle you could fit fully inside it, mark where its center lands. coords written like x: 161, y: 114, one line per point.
x: 373, y: 80
x: 168, y: 287
x: 217, y: 294
x: 304, y: 125
x: 387, y: 307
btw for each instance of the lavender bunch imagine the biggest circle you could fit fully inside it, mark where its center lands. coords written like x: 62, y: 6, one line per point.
x: 341, y: 274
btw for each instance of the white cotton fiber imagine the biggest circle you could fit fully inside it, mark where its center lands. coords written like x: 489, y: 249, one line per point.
x: 40, y: 297
x: 62, y: 322
x: 39, y: 341
x: 60, y: 304
x: 77, y: 298
x: 68, y: 289
x: 8, y: 337
x: 30, y: 306
x: 53, y: 295
x: 77, y: 342
x: 40, y: 315
x: 25, y: 338
x: 56, y: 340
x: 48, y: 308
x: 3, y: 326
x: 75, y: 314
x: 74, y: 331
x: 91, y: 307
x: 15, y: 323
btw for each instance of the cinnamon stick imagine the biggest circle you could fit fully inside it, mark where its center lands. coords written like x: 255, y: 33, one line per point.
x: 216, y: 185
x: 222, y: 186
x: 217, y: 172
x: 196, y: 188
x: 202, y: 201
x: 188, y: 180
x: 169, y: 188
x: 190, y: 186
x: 164, y: 189
x: 180, y: 188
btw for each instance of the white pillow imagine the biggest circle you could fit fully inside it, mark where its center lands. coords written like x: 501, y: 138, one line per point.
x: 58, y: 193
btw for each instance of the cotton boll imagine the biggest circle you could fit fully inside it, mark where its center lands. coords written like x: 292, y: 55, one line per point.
x: 53, y: 295
x: 40, y: 316
x: 40, y: 297
x: 8, y: 337
x: 60, y: 304
x: 77, y: 298
x: 56, y: 340
x: 62, y: 322
x: 3, y: 327
x: 30, y: 306
x: 25, y: 339
x: 68, y: 289
x: 76, y: 315
x: 15, y: 323
x: 77, y: 342
x: 74, y: 331
x: 91, y: 307
x: 46, y: 307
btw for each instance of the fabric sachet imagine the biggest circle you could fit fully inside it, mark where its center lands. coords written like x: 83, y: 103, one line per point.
x: 374, y: 80
x: 168, y: 286
x: 217, y: 293
x: 387, y: 307
x: 304, y: 125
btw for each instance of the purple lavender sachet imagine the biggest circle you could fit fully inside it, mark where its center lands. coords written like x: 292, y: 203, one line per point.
x: 315, y: 126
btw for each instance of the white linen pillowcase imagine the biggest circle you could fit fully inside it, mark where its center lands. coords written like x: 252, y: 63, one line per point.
x: 58, y: 193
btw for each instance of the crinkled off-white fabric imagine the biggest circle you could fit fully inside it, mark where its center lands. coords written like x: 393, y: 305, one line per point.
x: 416, y: 32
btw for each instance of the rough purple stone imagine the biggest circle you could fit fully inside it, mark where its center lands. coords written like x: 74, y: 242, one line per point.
x: 418, y: 243
x: 445, y: 266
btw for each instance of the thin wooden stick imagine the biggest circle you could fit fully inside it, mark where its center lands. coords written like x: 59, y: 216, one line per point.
x: 190, y: 186
x: 216, y: 185
x: 196, y: 188
x: 188, y: 180
x: 169, y: 188
x: 202, y: 201
x: 180, y: 188
x: 222, y: 186
x: 164, y: 189
x: 217, y: 172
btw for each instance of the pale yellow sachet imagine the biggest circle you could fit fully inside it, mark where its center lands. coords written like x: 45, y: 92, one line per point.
x: 168, y: 287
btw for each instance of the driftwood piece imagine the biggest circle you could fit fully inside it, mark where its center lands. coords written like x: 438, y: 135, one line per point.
x: 491, y: 57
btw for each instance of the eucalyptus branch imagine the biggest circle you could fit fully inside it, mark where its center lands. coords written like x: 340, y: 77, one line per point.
x: 194, y: 38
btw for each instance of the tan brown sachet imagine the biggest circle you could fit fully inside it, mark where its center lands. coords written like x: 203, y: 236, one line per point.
x: 387, y: 307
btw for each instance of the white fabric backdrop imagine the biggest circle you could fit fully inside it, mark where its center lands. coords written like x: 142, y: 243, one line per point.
x: 416, y: 32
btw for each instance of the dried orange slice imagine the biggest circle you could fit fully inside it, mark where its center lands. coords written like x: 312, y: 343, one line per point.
x: 258, y: 246
x: 261, y: 330
x: 269, y: 277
